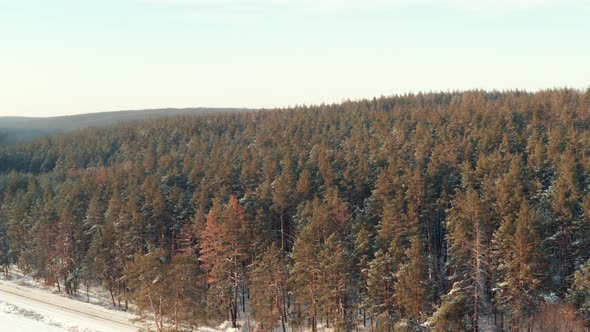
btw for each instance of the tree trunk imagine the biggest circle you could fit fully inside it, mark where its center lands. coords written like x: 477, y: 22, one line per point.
x: 176, y: 321
x: 282, y: 233
x: 243, y: 299
x: 284, y: 310
x: 155, y: 312
x: 113, y: 295
x: 478, y: 275
x: 234, y: 301
x: 283, y: 322
x: 58, y: 287
x: 232, y: 314
x: 161, y: 316
x: 314, y: 315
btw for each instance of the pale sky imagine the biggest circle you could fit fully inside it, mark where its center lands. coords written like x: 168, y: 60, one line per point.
x: 78, y: 56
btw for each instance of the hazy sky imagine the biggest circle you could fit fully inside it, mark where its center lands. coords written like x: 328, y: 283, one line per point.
x: 78, y: 56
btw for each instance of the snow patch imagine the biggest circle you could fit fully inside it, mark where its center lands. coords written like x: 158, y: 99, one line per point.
x: 15, y: 318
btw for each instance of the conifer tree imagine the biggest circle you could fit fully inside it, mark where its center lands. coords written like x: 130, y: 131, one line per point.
x: 102, y: 252
x: 521, y: 270
x: 186, y: 287
x: 335, y: 283
x: 581, y: 229
x: 224, y: 255
x: 579, y: 293
x: 413, y: 291
x: 469, y: 237
x: 146, y: 278
x: 363, y: 254
x: 380, y: 289
x: 4, y: 247
x: 284, y: 199
x: 306, y: 272
x: 566, y: 210
x: 268, y: 285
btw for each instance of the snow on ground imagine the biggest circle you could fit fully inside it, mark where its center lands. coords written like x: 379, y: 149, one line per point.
x: 27, y: 305
x: 13, y: 320
x: 96, y: 294
x: 28, y: 309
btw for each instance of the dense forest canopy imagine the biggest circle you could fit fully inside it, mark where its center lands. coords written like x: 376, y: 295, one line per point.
x: 438, y: 211
x: 24, y: 129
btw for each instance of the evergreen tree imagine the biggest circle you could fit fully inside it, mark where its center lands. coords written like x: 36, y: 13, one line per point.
x: 363, y: 254
x: 186, y: 287
x: 521, y: 270
x: 469, y: 238
x: 147, y: 280
x: 268, y: 286
x: 306, y: 272
x: 566, y: 210
x: 4, y: 248
x: 335, y: 283
x: 413, y: 291
x: 380, y: 289
x: 579, y: 293
x: 224, y: 255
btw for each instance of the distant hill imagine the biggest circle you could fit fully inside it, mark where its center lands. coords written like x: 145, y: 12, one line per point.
x: 23, y: 129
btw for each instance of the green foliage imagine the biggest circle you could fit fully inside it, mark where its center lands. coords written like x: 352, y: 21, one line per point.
x: 452, y: 312
x: 579, y: 293
x: 373, y: 205
x: 521, y: 276
x: 380, y: 285
x: 169, y: 291
x: 224, y: 256
x: 412, y: 289
x: 268, y: 288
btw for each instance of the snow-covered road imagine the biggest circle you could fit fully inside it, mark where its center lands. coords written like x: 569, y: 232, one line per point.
x: 27, y: 309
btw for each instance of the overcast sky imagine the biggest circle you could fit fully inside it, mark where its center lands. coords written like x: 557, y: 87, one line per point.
x: 77, y: 56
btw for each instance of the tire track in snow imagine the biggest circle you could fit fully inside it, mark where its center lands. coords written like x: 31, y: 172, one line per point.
x: 85, y: 311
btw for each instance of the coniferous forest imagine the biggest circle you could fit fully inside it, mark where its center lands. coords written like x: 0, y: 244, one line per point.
x: 438, y: 211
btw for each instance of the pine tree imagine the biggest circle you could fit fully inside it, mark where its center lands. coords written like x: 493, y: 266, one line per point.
x: 94, y: 214
x: 581, y: 229
x: 579, y: 293
x: 306, y: 272
x: 186, y: 287
x: 469, y: 237
x: 268, y: 285
x: 363, y: 254
x: 4, y: 247
x: 146, y: 279
x: 395, y: 230
x: 335, y: 283
x: 224, y: 255
x: 413, y: 291
x: 44, y: 238
x: 521, y: 270
x: 380, y: 289
x: 304, y: 185
x: 452, y: 312
x: 283, y: 198
x: 103, y: 254
x: 566, y: 210
x: 213, y: 251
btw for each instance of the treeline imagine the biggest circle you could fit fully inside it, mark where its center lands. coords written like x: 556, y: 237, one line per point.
x: 441, y: 211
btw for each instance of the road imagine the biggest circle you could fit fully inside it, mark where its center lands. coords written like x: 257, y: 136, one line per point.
x: 60, y: 311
